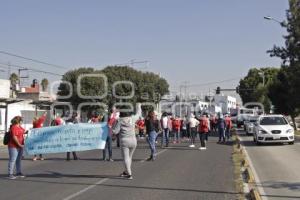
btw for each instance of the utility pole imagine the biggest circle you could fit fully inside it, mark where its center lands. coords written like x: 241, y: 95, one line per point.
x: 9, y: 70
x: 21, y: 77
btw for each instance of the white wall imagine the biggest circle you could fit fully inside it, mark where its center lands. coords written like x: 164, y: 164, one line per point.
x: 226, y: 102
x: 24, y: 109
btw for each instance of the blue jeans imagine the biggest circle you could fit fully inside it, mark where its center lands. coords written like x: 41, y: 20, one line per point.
x: 15, y: 158
x: 177, y: 135
x: 221, y: 134
x: 165, y: 137
x: 108, y: 146
x: 151, y: 140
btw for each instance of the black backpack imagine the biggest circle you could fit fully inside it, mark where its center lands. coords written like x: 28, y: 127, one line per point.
x: 6, y: 138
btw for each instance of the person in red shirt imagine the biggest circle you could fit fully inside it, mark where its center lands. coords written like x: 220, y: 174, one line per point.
x: 141, y: 127
x: 228, y: 127
x: 213, y: 123
x: 203, y: 131
x: 15, y: 148
x: 176, y: 129
x: 38, y: 123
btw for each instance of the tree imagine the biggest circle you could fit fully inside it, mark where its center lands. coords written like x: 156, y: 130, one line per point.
x: 148, y: 87
x: 287, y: 84
x: 283, y: 96
x: 44, y: 84
x: 14, y: 79
x: 290, y: 54
x: 254, y: 87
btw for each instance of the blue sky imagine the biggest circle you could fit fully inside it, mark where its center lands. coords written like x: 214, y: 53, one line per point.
x: 198, y: 41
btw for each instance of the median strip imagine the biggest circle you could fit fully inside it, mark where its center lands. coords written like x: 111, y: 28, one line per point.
x: 245, y: 179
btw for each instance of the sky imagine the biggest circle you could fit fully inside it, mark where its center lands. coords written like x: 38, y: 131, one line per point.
x: 194, y: 41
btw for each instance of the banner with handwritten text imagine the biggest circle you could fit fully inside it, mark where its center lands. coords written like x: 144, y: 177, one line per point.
x: 66, y: 138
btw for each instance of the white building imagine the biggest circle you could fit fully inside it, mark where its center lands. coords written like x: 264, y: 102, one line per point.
x: 23, y: 108
x: 227, y: 103
x: 30, y: 103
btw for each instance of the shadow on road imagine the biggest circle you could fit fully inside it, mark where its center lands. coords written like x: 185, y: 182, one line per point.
x: 56, y: 175
x: 115, y: 186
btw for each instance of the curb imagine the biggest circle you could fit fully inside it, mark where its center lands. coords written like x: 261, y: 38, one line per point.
x: 249, y: 176
x: 254, y: 195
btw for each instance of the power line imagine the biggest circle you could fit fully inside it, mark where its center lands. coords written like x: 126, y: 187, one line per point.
x: 33, y: 60
x: 30, y: 69
x: 211, y: 83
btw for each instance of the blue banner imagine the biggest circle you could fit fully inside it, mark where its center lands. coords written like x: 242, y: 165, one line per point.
x: 66, y: 138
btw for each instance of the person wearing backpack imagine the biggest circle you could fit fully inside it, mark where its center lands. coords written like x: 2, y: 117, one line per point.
x: 15, y: 148
x: 203, y: 131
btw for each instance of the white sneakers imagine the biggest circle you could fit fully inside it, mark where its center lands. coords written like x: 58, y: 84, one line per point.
x: 193, y: 146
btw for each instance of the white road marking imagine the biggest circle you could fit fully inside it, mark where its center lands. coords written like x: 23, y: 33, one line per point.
x: 99, y: 183
x: 86, y: 189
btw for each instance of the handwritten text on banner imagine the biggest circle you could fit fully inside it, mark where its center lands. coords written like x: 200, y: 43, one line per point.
x: 67, y: 138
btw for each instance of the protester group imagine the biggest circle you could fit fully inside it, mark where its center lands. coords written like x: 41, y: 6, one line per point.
x: 126, y: 128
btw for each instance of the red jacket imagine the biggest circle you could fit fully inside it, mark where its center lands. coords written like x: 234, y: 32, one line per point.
x: 176, y: 124
x: 228, y: 122
x: 204, y: 125
x: 141, y: 124
x: 39, y: 122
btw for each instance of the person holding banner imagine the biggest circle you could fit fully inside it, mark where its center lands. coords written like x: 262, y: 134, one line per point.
x: 73, y: 120
x: 15, y: 148
x: 125, y: 129
x: 38, y: 123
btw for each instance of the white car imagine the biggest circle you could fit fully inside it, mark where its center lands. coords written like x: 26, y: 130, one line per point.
x: 249, y: 125
x: 273, y: 129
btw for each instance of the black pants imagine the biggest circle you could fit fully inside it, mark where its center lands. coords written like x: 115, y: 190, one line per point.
x: 203, y: 136
x: 193, y: 135
x: 74, y: 155
x: 141, y: 132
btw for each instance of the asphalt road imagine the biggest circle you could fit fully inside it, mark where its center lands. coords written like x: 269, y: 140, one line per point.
x: 178, y: 173
x: 277, y: 167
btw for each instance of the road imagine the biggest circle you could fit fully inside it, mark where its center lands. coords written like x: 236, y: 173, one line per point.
x: 277, y: 167
x: 178, y: 173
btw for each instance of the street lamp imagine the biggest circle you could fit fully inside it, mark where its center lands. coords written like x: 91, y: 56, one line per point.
x: 283, y: 23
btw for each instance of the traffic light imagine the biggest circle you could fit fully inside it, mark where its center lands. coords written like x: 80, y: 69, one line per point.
x: 237, y: 89
x: 218, y: 90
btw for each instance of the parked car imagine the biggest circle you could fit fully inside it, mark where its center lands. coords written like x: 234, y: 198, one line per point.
x: 273, y: 129
x: 249, y: 125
